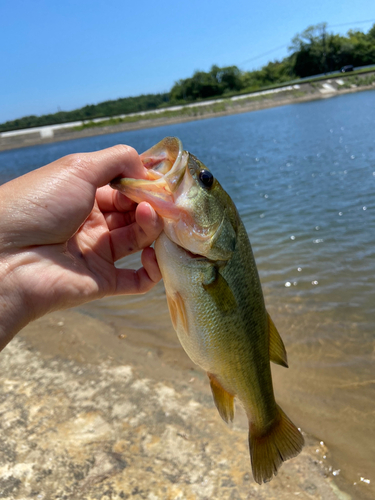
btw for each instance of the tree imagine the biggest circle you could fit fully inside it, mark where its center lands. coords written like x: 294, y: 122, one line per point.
x: 315, y: 51
x: 201, y: 85
x: 228, y: 78
x: 309, y: 49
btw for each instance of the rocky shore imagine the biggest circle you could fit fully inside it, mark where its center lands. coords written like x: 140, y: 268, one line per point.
x: 86, y: 415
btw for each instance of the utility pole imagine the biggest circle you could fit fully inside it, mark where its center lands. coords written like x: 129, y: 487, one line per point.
x: 324, y: 48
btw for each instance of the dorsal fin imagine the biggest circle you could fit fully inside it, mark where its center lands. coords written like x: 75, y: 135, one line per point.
x: 276, y: 345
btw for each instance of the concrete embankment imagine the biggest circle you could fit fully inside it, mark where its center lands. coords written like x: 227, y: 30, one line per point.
x: 85, y: 415
x: 239, y: 104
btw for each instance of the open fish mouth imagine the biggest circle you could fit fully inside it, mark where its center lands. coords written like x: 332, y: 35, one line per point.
x: 166, y: 165
x: 172, y: 188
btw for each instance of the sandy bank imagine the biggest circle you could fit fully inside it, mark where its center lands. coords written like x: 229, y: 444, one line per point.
x: 86, y: 415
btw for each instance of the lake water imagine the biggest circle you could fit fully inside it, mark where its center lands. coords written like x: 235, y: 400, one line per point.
x: 303, y: 179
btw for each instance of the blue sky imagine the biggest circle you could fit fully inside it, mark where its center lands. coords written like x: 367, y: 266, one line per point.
x: 65, y: 54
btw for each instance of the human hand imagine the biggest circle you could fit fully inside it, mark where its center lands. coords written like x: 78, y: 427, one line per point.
x: 61, y: 231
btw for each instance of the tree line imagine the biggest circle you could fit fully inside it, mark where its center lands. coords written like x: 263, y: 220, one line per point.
x: 312, y: 52
x: 120, y: 106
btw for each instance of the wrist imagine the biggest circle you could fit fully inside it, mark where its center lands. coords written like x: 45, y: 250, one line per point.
x: 14, y: 313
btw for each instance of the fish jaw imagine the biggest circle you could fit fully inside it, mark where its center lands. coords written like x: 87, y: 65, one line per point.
x: 157, y: 193
x: 170, y: 188
x: 163, y: 156
x: 163, y: 180
x: 167, y: 195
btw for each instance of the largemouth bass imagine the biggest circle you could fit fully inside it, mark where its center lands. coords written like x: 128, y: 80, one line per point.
x: 215, y: 298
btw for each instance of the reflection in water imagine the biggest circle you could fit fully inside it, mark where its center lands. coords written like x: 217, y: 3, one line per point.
x: 303, y: 178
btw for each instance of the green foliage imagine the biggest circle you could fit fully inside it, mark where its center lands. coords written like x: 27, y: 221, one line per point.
x: 358, y: 81
x: 107, y: 108
x: 201, y: 85
x: 274, y: 72
x: 308, y: 50
x: 184, y: 112
x: 314, y: 51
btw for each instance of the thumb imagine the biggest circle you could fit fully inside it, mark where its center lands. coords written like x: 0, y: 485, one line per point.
x: 101, y: 167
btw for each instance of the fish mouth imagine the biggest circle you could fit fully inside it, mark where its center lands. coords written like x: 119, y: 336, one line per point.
x: 169, y: 179
x: 166, y: 165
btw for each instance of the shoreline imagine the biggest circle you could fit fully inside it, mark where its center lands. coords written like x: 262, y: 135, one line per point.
x: 304, y: 93
x: 87, y: 416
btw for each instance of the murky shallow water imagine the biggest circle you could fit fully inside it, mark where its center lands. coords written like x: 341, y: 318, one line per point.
x: 303, y: 178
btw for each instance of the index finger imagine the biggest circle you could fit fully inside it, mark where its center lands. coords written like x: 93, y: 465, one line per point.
x: 111, y: 200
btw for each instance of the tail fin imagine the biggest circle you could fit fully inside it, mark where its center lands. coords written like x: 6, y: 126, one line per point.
x: 270, y: 449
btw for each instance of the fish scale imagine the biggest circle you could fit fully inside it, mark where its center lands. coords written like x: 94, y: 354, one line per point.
x: 215, y: 297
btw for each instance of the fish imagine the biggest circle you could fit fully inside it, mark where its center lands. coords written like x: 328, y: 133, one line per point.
x: 215, y: 297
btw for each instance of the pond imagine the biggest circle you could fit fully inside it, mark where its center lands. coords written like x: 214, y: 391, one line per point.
x: 303, y: 179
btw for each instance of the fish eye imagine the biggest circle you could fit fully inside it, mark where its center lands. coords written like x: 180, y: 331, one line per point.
x: 206, y: 178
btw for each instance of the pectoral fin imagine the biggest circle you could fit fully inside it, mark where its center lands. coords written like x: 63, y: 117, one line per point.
x: 276, y: 345
x: 223, y: 400
x: 220, y: 291
x: 178, y: 312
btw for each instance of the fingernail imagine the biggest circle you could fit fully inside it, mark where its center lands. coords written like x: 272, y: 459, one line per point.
x: 154, y: 215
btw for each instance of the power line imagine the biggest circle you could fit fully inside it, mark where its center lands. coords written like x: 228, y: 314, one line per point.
x: 347, y: 24
x: 264, y: 54
x: 286, y: 45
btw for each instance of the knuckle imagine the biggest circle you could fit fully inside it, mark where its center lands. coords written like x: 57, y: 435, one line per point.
x: 126, y: 151
x: 78, y: 161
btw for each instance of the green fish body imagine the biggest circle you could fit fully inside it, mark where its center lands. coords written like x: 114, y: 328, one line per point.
x: 215, y: 297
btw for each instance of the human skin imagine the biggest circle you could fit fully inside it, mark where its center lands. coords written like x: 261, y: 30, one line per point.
x: 62, y: 228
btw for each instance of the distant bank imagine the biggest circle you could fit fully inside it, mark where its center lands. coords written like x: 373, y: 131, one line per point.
x: 279, y: 96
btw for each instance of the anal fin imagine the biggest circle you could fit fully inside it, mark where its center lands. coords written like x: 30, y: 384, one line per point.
x: 276, y: 345
x: 224, y: 401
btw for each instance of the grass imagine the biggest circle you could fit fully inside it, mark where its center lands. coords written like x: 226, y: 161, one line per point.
x: 217, y: 107
x: 356, y: 78
x: 337, y: 74
x: 194, y: 111
x: 358, y: 81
